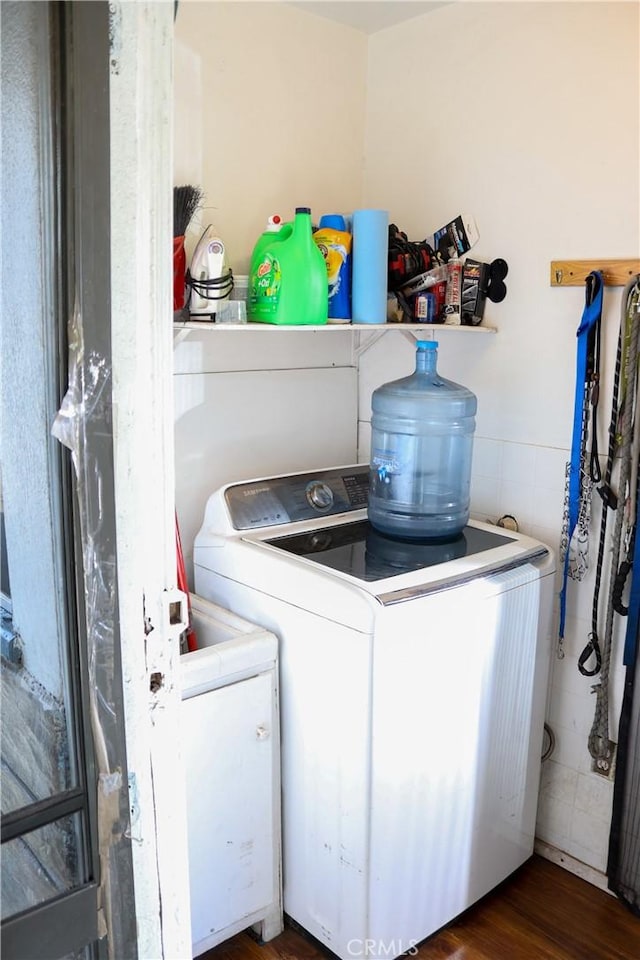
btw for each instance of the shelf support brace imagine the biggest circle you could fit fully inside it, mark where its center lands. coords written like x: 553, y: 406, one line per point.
x: 366, y: 339
x: 179, y: 335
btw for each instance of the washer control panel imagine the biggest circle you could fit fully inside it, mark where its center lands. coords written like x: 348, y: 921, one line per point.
x: 303, y: 496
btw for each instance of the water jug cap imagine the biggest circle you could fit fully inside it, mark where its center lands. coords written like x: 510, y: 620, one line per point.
x: 274, y: 222
x: 427, y: 344
x: 303, y: 209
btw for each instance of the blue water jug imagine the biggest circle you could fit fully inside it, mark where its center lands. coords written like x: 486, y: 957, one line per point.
x: 422, y: 431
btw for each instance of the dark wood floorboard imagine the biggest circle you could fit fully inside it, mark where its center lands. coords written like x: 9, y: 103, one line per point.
x: 542, y: 912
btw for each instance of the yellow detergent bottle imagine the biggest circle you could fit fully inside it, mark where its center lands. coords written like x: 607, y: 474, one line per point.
x: 288, y: 276
x: 334, y: 242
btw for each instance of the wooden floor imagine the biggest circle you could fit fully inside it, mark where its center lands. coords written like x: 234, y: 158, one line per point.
x: 543, y: 912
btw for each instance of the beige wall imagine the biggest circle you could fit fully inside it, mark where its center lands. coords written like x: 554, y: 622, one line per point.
x: 270, y: 110
x: 525, y: 115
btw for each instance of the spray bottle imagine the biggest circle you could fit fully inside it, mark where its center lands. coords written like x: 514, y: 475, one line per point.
x: 271, y: 233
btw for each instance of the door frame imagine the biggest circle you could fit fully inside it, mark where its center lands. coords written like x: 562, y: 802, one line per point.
x: 152, y: 612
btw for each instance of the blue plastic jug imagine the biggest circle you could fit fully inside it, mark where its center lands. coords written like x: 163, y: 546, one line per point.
x: 422, y: 430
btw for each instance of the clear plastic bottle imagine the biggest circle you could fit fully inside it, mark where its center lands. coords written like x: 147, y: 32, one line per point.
x: 422, y: 430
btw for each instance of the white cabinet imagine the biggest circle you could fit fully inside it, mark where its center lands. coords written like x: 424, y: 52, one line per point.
x: 231, y: 750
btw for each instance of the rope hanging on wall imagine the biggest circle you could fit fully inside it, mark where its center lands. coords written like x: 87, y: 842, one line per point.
x: 623, y: 450
x: 623, y: 867
x: 582, y: 469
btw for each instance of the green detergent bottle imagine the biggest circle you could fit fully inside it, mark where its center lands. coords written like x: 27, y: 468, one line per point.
x: 288, y: 276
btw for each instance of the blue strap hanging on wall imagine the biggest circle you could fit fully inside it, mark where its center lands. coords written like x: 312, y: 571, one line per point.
x: 591, y: 316
x: 631, y: 638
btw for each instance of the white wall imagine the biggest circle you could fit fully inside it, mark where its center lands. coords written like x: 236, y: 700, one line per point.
x: 257, y: 404
x: 486, y: 108
x: 525, y: 115
x: 269, y: 115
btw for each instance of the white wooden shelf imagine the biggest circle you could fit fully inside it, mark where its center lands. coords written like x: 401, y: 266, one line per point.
x: 366, y: 334
x: 327, y: 327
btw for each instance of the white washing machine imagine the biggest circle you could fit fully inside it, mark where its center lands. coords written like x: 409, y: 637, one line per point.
x: 413, y: 682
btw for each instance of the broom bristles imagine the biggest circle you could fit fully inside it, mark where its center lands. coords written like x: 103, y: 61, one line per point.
x: 186, y: 201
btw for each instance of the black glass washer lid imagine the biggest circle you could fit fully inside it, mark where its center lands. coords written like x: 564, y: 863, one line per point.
x: 362, y: 552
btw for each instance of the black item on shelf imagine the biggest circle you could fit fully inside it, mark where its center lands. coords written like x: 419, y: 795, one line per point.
x: 186, y: 201
x: 481, y: 282
x: 407, y: 258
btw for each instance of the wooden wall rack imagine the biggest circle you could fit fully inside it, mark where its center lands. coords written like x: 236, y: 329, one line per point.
x: 573, y: 273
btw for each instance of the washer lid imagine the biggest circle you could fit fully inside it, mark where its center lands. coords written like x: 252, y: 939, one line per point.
x: 360, y: 551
